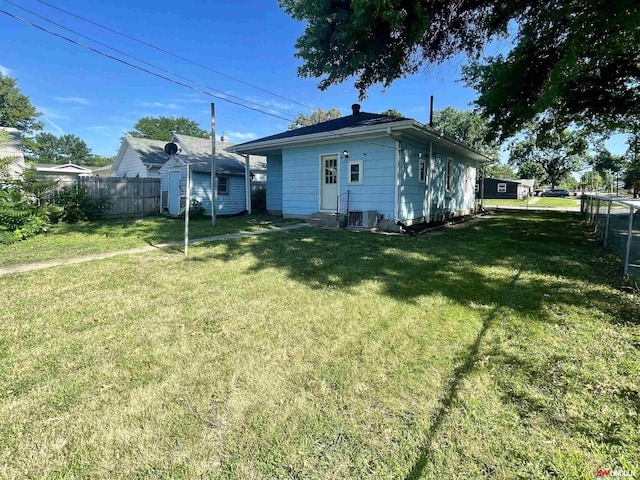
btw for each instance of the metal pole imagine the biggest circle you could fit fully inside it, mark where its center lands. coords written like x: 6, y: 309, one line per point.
x: 186, y: 211
x: 606, y: 230
x: 214, y: 176
x: 629, y: 236
x: 247, y: 183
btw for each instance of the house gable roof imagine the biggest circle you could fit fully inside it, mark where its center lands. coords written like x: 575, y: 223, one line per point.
x: 357, y: 125
x: 63, y: 168
x: 201, y: 149
x: 151, y: 152
x: 362, y: 119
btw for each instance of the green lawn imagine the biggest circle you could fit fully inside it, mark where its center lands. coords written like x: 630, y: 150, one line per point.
x: 558, y: 202
x: 507, y: 202
x: 69, y: 240
x: 504, y: 349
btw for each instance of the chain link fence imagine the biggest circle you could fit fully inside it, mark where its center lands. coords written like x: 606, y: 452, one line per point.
x: 617, y: 222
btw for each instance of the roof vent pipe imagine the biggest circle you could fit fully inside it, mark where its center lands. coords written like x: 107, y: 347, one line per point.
x: 355, y: 108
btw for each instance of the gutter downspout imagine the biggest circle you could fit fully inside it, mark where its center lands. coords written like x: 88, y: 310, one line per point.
x: 247, y: 179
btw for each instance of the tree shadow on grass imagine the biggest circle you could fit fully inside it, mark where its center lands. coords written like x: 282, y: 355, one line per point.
x: 533, y: 263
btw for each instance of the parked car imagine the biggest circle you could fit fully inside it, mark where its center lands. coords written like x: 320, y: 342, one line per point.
x: 555, y: 192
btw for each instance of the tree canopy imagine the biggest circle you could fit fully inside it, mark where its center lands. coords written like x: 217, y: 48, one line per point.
x: 317, y: 116
x: 16, y: 109
x: 572, y: 60
x: 48, y: 148
x: 162, y: 128
x: 499, y: 170
x: 468, y: 127
x: 392, y: 112
x: 548, y: 156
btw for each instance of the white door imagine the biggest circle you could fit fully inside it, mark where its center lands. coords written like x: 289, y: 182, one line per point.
x: 329, y: 182
x: 174, y: 193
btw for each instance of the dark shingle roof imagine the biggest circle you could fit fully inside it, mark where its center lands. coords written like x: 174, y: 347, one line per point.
x: 362, y: 119
x: 151, y: 151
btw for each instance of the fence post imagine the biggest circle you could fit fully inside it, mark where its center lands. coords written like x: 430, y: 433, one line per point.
x: 595, y: 223
x: 629, y: 236
x: 606, y: 229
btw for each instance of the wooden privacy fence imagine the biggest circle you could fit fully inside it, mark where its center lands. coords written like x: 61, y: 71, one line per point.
x: 126, y: 196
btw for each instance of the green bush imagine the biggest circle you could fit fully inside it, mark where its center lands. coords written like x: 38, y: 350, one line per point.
x: 196, y: 210
x: 76, y: 205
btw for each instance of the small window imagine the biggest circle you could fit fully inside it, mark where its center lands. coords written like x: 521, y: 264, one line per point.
x: 502, y: 188
x: 449, y: 173
x: 355, y: 173
x: 223, y: 185
x: 467, y: 178
x: 477, y: 187
x: 422, y: 170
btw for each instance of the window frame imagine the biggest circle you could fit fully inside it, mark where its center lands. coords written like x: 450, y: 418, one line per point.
x: 449, y: 173
x: 502, y: 185
x: 360, y: 164
x: 422, y: 170
x: 228, y: 181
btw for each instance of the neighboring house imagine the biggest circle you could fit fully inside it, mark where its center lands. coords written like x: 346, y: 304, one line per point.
x: 232, y: 195
x: 201, y: 147
x: 55, y: 172
x: 13, y: 149
x: 507, y: 189
x: 105, y: 171
x: 139, y: 158
x: 389, y: 167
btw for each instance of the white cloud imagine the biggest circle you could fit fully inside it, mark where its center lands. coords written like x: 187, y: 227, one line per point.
x: 169, y: 106
x: 76, y: 100
x: 271, y: 104
x: 241, y: 136
x: 54, y: 125
x: 4, y: 71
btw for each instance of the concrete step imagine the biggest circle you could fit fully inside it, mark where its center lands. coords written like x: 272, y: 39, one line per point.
x: 323, y: 219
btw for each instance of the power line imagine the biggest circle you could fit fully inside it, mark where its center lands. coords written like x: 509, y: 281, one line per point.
x: 136, y: 58
x: 190, y: 87
x: 175, y: 55
x: 137, y: 67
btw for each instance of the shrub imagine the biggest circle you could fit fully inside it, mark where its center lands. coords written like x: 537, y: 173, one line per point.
x: 76, y: 205
x: 196, y: 210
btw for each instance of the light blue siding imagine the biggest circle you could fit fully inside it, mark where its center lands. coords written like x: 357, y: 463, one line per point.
x: 412, y: 197
x: 301, y: 176
x: 461, y: 196
x: 274, y: 183
x: 234, y: 202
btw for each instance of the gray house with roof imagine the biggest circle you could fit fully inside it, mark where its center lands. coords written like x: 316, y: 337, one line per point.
x: 232, y: 181
x: 370, y: 166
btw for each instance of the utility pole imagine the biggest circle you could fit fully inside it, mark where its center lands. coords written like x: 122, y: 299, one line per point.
x: 214, y: 176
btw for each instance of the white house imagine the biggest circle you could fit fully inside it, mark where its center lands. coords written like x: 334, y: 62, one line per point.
x: 139, y: 158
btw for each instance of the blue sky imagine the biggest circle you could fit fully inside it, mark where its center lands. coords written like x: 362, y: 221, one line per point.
x: 98, y: 99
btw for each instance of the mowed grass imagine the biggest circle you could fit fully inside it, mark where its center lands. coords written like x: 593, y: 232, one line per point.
x: 504, y: 349
x: 86, y: 238
x: 507, y: 202
x: 558, y: 202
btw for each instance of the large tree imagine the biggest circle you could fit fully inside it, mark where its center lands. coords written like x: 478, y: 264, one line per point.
x: 577, y: 58
x: 49, y: 148
x: 16, y: 109
x: 162, y: 128
x: 317, y: 116
x: 549, y: 156
x: 499, y: 170
x: 468, y: 127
